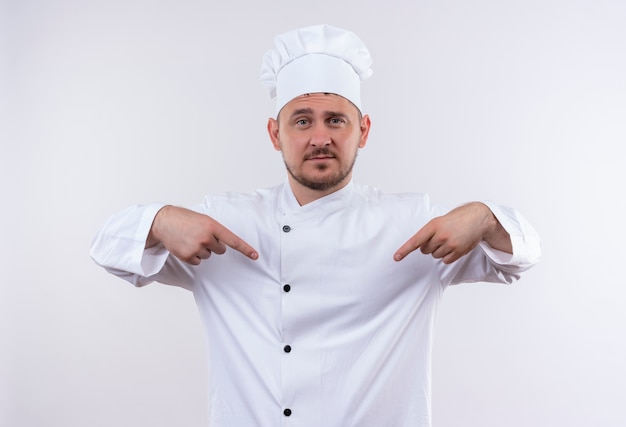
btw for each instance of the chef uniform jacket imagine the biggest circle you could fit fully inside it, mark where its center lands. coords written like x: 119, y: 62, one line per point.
x: 325, y: 329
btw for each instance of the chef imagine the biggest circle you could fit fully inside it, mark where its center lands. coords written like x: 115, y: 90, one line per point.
x: 318, y: 296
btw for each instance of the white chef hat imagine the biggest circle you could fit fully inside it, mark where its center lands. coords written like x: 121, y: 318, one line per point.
x: 315, y: 59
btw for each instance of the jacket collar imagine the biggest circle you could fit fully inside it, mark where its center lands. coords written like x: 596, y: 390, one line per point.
x: 321, y: 206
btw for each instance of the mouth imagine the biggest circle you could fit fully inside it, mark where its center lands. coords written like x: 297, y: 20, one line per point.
x: 319, y: 155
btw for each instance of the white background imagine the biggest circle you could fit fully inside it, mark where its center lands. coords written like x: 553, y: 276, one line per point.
x: 106, y: 103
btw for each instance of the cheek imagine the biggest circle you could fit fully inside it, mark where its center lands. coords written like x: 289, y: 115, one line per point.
x: 286, y: 150
x: 291, y: 144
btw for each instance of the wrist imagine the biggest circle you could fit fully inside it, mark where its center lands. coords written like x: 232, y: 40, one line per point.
x: 494, y: 233
x: 489, y: 221
x: 154, y: 238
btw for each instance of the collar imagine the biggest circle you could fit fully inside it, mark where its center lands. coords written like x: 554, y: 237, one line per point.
x: 321, y: 206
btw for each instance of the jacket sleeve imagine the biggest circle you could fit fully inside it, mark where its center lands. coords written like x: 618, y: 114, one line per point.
x: 525, y: 240
x: 119, y: 246
x: 487, y: 264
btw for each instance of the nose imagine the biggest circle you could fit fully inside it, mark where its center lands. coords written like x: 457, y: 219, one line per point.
x: 320, y: 136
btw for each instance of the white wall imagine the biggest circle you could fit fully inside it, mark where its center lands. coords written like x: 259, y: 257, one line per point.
x: 108, y: 103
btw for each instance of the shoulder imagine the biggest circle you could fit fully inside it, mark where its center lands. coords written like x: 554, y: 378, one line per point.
x: 239, y: 201
x: 374, y: 197
x: 259, y: 195
x: 401, y: 211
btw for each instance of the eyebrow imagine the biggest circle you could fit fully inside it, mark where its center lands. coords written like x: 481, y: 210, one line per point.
x: 328, y: 113
x: 302, y: 111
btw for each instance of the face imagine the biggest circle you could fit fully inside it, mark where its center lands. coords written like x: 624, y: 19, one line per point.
x: 319, y: 136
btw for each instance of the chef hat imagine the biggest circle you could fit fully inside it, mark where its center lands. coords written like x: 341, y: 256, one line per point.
x: 315, y: 59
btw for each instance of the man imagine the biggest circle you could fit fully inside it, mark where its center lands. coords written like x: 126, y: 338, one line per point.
x: 321, y: 313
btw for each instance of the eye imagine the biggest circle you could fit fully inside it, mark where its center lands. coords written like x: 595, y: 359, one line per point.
x: 302, y: 122
x: 336, y: 121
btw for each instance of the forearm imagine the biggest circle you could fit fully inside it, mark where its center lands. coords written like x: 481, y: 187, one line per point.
x: 120, y: 243
x: 508, y: 241
x: 522, y: 236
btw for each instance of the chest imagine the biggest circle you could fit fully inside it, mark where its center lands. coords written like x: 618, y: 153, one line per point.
x: 334, y: 266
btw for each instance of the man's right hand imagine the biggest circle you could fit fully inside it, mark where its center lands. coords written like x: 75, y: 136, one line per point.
x: 192, y: 237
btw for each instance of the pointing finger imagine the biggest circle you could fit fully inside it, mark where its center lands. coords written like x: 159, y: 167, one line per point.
x: 415, y: 242
x: 230, y: 239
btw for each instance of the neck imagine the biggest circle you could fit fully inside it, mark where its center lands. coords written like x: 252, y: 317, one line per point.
x: 305, y: 195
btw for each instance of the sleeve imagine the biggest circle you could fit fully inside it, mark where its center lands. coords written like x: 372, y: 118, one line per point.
x: 524, y: 239
x: 486, y: 264
x: 119, y: 246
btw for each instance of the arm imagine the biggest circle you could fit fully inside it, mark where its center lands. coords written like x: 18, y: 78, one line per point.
x: 451, y: 236
x: 192, y: 237
x: 136, y: 242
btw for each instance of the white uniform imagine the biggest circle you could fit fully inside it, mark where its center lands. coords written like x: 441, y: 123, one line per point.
x: 325, y: 328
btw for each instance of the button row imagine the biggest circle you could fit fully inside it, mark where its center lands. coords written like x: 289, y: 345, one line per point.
x: 287, y: 348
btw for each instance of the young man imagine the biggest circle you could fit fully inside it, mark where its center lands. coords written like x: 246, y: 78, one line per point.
x: 321, y: 313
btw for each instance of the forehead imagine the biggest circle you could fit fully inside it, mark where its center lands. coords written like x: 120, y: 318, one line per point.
x: 319, y: 102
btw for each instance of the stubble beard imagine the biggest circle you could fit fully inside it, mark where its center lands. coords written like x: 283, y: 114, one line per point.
x: 326, y: 183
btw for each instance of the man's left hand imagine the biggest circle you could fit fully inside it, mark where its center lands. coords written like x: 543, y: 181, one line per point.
x: 451, y: 236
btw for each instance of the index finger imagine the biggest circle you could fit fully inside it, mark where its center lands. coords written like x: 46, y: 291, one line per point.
x: 231, y: 240
x: 414, y: 243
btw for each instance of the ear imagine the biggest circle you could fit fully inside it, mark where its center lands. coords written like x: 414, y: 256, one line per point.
x: 365, y: 130
x: 272, y: 130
